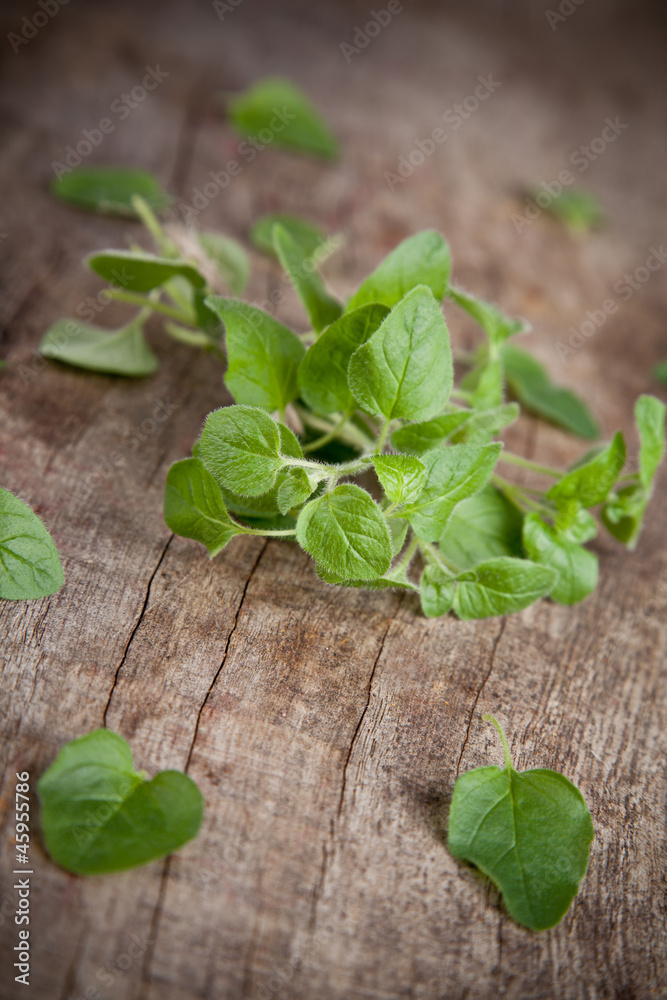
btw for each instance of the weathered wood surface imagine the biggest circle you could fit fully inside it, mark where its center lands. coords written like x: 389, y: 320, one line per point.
x: 326, y: 728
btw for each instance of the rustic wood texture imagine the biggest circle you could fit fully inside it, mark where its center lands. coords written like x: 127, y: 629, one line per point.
x: 324, y: 727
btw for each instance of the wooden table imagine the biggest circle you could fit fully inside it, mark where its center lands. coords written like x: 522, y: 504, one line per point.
x: 326, y: 727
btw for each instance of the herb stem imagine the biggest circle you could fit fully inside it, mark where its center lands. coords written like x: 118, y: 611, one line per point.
x: 133, y: 299
x: 443, y: 563
x: 325, y: 438
x: 381, y: 441
x: 462, y: 394
x: 503, y: 740
x: 150, y: 220
x: 525, y: 463
x: 268, y: 532
x: 350, y: 434
x: 409, y: 553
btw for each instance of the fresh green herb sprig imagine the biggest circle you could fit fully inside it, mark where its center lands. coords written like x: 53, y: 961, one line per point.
x: 530, y: 832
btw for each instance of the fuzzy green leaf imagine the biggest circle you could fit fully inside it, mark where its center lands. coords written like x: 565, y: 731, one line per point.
x: 280, y: 107
x: 110, y: 189
x: 240, y: 446
x: 321, y: 307
x: 591, y: 479
x: 483, y: 425
x: 402, y: 477
x: 136, y: 271
x: 113, y: 352
x: 650, y: 418
x: 29, y: 562
x: 436, y: 591
x: 495, y: 324
x: 415, y: 439
x: 576, y: 568
x: 405, y: 368
x: 422, y: 259
x: 480, y: 528
x: 194, y: 507
x: 500, y: 587
x: 295, y: 486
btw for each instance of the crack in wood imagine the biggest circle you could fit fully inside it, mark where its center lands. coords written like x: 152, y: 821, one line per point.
x: 134, y: 631
x: 503, y: 626
x: 69, y: 982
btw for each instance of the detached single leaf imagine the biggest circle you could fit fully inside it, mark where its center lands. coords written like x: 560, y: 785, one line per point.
x: 194, y: 507
x: 529, y: 832
x: 98, y: 815
x: 480, y: 528
x: 141, y: 272
x: 278, y: 107
x: 436, y: 591
x: 530, y: 383
x: 230, y: 259
x: 263, y: 355
x: 405, y: 368
x: 576, y: 568
x: 323, y: 370
x: 308, y: 237
x: 422, y: 259
x: 113, y: 352
x: 501, y: 587
x: 240, y: 447
x: 110, y: 189
x: 321, y: 307
x: 415, y: 439
x: 29, y: 562
x: 402, y: 477
x: 495, y: 324
x: 346, y: 533
x: 454, y: 473
x: 591, y: 479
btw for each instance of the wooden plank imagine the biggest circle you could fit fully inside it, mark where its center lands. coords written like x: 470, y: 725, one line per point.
x: 326, y: 728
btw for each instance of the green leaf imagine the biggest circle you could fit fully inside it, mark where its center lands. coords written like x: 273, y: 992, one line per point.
x: 576, y: 568
x: 415, y: 439
x: 422, y: 259
x: 280, y: 107
x: 263, y: 355
x: 321, y: 307
x: 454, y: 473
x: 483, y: 425
x: 436, y: 591
x: 110, y: 189
x: 489, y: 387
x: 574, y: 523
x: 392, y: 580
x: 500, y: 587
x: 114, y: 352
x: 623, y: 513
x: 495, y: 324
x: 323, y: 370
x: 240, y: 447
x: 98, y: 815
x: 591, y: 479
x: 529, y: 832
x: 530, y: 383
x: 660, y: 372
x: 346, y: 533
x: 650, y: 418
x: 398, y: 530
x: 230, y: 259
x: 295, y: 487
x: 29, y: 562
x: 579, y: 210
x: 405, y: 368
x: 308, y: 237
x: 480, y: 528
x: 194, y: 507
x: 401, y: 476
x: 141, y: 272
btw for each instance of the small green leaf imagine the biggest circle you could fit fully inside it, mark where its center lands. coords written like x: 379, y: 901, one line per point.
x: 263, y: 355
x: 495, y: 324
x: 579, y: 210
x: 114, y: 352
x: 401, y: 476
x: 194, y: 507
x: 230, y: 259
x: 323, y: 370
x: 623, y: 513
x: 530, y: 383
x: 483, y: 425
x: 454, y: 473
x: 141, y: 272
x: 500, y: 587
x: 574, y: 523
x: 415, y: 439
x: 398, y: 529
x: 405, y: 368
x: 29, y: 562
x: 321, y: 307
x: 480, y: 528
x: 278, y: 107
x: 422, y: 259
x: 392, y: 580
x: 660, y: 372
x: 436, y: 591
x: 308, y: 238
x: 576, y: 568
x: 529, y: 832
x: 650, y: 418
x: 240, y: 447
x: 110, y: 189
x: 346, y: 533
x: 295, y: 487
x: 591, y: 479
x: 98, y: 815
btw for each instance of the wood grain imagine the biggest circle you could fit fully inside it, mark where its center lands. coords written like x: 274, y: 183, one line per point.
x: 326, y: 728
